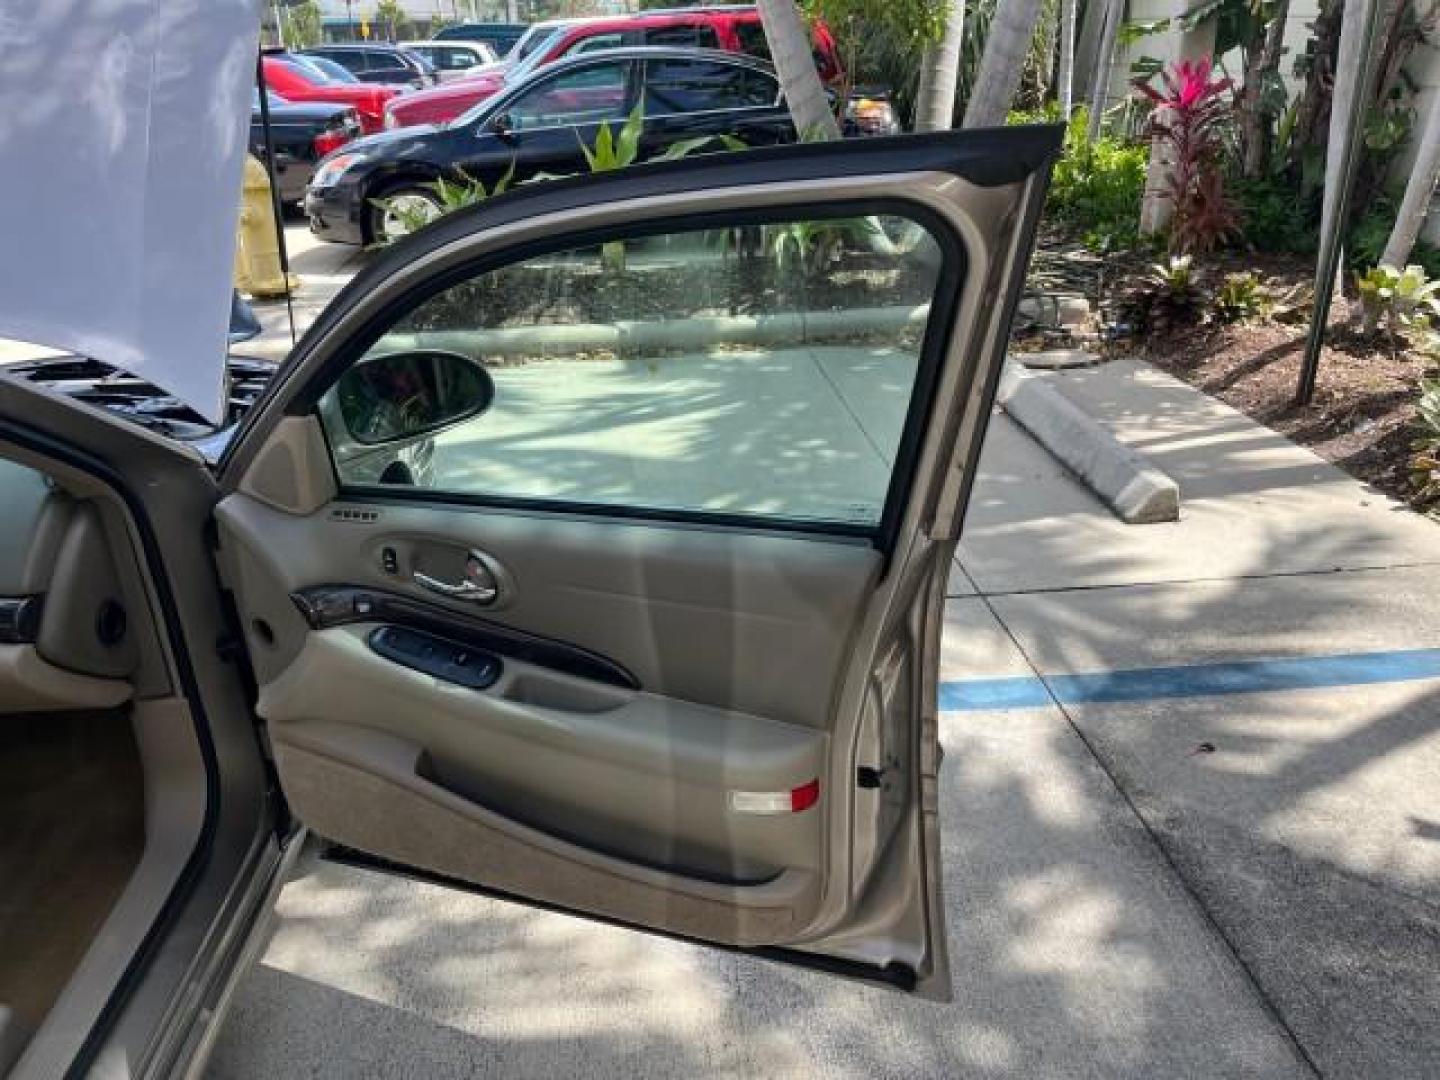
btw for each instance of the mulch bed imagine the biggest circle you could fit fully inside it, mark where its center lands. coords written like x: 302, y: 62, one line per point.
x: 1363, y: 414
x: 1362, y: 417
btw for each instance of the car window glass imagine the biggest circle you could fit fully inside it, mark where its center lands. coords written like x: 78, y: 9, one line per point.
x: 752, y: 39
x: 595, y: 43
x: 683, y: 86
x: 454, y: 59
x: 585, y: 96
x: 531, y: 40
x: 684, y: 37
x: 757, y: 370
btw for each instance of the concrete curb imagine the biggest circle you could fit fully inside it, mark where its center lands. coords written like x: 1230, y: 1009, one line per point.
x: 1125, y: 480
x: 786, y: 328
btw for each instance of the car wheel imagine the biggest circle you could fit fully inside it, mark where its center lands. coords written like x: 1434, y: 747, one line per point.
x: 399, y: 211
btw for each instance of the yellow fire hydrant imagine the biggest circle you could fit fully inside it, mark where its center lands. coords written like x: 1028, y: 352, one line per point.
x: 257, y: 250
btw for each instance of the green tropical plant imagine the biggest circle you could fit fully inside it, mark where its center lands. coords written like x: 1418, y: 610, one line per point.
x: 302, y: 25
x: 1191, y: 116
x: 618, y: 151
x: 1425, y: 463
x: 390, y: 20
x: 1404, y: 300
x: 452, y: 195
x: 1241, y: 297
x: 1272, y: 221
x: 1169, y: 295
x: 815, y: 244
x: 1096, y: 188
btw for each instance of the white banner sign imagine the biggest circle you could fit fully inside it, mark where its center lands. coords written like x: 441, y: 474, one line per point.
x: 122, y: 129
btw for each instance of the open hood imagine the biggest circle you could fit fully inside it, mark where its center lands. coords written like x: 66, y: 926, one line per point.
x: 122, y: 125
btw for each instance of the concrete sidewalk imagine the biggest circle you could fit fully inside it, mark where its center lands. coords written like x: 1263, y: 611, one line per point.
x: 1124, y: 900
x: 1305, y: 820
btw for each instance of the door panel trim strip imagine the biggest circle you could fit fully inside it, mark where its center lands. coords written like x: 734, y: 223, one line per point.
x: 325, y: 606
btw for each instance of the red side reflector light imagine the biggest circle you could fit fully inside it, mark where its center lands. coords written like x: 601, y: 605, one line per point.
x: 804, y: 796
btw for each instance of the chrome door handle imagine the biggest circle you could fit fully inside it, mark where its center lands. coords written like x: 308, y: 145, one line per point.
x: 479, y: 585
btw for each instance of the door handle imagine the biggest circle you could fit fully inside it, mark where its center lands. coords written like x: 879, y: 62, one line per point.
x: 479, y: 585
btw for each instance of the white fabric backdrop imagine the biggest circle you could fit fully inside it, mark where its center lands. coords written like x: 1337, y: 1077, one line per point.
x: 122, y: 129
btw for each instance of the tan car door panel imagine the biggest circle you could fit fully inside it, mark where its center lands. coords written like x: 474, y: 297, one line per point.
x: 755, y: 623
x: 704, y: 706
x: 735, y: 669
x: 66, y: 642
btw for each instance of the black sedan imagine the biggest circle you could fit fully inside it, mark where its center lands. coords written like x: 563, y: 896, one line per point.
x: 538, y: 127
x: 303, y: 133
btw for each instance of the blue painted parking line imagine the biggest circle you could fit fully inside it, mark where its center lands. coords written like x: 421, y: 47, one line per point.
x: 1197, y: 680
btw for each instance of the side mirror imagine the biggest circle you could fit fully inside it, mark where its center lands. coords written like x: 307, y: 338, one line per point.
x: 501, y: 125
x: 403, y: 395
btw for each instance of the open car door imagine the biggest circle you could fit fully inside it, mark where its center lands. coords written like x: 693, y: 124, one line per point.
x: 591, y: 548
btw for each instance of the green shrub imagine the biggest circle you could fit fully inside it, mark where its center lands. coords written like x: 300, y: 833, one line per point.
x: 1240, y: 297
x: 1425, y: 465
x: 1170, y: 295
x: 1272, y: 219
x: 1096, y: 190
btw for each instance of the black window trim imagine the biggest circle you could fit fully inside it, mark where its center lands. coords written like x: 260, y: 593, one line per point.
x: 881, y: 534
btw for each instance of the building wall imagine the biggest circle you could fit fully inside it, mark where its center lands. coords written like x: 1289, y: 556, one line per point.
x: 1423, y: 68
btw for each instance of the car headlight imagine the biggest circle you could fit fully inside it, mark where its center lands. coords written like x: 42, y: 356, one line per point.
x: 332, y: 168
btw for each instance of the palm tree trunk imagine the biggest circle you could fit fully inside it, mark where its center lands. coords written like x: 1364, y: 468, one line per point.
x: 1087, y: 45
x: 789, y: 40
x: 1105, y: 56
x: 1007, y: 46
x: 939, y: 71
x: 1066, y: 88
x: 1418, y: 191
x: 1262, y: 65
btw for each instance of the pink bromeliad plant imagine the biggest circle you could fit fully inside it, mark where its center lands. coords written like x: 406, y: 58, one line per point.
x: 1191, y: 109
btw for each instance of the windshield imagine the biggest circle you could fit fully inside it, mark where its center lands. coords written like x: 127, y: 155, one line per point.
x: 275, y: 99
x: 419, y: 58
x: 519, y: 67
x: 531, y: 40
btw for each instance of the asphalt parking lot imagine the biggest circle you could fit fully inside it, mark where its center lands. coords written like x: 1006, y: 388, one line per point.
x: 1189, y: 828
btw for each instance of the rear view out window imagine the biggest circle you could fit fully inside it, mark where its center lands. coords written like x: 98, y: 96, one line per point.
x: 762, y: 371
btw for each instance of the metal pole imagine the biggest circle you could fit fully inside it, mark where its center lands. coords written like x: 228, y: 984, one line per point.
x: 283, y: 250
x: 1328, y: 263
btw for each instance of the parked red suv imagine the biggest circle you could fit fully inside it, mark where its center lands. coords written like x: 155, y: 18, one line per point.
x: 733, y: 29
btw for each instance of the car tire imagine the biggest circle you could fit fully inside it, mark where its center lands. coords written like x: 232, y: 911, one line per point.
x: 383, y: 226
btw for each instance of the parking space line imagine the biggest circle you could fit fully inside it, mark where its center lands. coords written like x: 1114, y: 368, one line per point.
x: 1196, y: 680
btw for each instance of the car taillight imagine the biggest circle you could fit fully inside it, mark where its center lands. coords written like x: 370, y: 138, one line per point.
x: 872, y: 116
x: 329, y: 140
